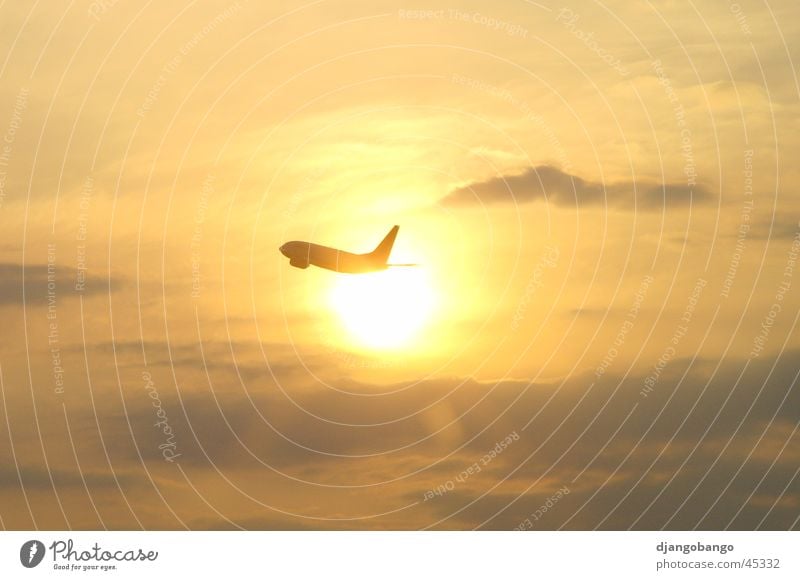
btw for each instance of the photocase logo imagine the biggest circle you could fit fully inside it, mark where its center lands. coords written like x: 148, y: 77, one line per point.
x: 31, y: 553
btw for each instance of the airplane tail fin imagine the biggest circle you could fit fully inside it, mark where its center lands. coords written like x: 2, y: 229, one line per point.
x: 381, y: 253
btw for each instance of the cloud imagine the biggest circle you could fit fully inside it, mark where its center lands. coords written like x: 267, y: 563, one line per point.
x: 36, y: 283
x: 549, y: 183
x: 783, y: 227
x: 709, y: 447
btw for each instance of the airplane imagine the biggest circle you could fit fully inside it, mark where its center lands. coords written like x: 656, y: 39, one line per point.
x: 305, y: 254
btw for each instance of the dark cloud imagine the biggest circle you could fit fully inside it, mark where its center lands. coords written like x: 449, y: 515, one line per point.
x: 712, y: 446
x: 784, y: 227
x: 549, y: 183
x: 36, y: 477
x: 37, y: 278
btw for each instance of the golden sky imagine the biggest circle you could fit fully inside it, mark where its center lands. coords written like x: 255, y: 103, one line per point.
x: 602, y: 200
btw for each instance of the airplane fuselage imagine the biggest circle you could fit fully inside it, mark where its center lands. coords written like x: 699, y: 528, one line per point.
x: 305, y: 254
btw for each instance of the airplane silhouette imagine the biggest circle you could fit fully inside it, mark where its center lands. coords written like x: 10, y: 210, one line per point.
x: 305, y: 254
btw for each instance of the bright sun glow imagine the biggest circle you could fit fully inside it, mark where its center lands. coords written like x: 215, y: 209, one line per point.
x: 385, y: 309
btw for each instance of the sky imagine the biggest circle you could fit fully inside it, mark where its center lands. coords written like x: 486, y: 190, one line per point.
x: 600, y: 333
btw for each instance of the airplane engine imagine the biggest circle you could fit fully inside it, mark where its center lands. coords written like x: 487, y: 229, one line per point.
x: 298, y: 263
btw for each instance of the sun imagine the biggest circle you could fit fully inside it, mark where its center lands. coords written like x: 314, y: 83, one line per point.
x: 384, y: 310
